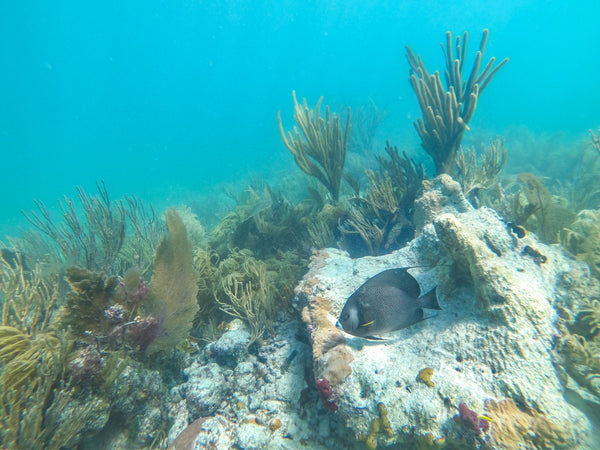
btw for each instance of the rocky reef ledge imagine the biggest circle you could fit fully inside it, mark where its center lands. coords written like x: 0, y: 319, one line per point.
x: 478, y: 373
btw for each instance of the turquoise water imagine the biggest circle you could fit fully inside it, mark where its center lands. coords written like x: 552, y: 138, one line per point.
x: 166, y: 100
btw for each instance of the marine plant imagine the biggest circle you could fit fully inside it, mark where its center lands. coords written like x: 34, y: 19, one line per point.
x: 595, y: 140
x: 91, y: 295
x: 319, y: 144
x: 93, y: 234
x: 448, y: 110
x: 106, y: 319
x: 542, y: 212
x: 265, y: 224
x: 578, y: 347
x: 252, y: 262
x: 27, y: 302
x: 592, y: 314
x: 147, y: 230
x: 583, y: 190
x: 244, y: 291
x: 173, y: 287
x: 93, y: 243
x: 379, y: 424
x: 33, y: 357
x: 582, y: 238
x: 129, y: 312
x: 365, y: 122
x: 382, y: 217
x: 477, y: 175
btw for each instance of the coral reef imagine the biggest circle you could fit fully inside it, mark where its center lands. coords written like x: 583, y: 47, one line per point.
x: 319, y: 145
x: 332, y: 357
x: 447, y: 111
x: 493, y: 338
x: 253, y: 399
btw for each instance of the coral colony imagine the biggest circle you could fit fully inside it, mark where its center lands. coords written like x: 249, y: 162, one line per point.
x: 326, y: 393
x: 472, y: 420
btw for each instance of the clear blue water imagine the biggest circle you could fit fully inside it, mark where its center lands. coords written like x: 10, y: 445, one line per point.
x: 166, y: 98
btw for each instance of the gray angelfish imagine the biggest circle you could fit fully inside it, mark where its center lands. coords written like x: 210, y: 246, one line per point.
x: 389, y: 301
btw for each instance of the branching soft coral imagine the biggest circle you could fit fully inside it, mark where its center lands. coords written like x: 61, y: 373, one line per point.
x: 318, y: 144
x: 592, y: 314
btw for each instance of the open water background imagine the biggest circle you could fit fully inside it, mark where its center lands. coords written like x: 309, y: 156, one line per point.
x: 169, y: 100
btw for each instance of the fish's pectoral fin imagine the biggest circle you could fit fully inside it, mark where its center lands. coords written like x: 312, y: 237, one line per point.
x: 374, y: 338
x: 368, y: 323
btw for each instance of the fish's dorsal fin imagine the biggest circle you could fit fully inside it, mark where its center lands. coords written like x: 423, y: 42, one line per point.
x: 398, y: 278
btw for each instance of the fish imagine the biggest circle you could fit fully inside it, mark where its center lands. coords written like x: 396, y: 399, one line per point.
x: 386, y: 302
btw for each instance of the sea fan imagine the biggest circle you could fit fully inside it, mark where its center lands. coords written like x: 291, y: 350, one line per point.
x: 173, y: 287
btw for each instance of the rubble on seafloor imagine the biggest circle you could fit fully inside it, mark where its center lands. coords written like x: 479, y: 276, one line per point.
x: 260, y: 397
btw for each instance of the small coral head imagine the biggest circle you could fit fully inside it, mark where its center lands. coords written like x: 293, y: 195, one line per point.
x: 326, y: 393
x: 143, y: 331
x: 472, y: 420
x: 115, y: 313
x: 86, y: 366
x: 138, y: 294
x: 325, y: 389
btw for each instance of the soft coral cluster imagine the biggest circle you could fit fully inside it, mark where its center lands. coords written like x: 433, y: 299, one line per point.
x: 472, y: 420
x: 326, y: 393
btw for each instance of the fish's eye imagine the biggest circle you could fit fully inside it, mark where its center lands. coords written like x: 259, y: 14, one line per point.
x: 345, y: 316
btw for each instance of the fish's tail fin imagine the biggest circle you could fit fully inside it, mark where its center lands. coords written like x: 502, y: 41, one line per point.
x: 429, y: 300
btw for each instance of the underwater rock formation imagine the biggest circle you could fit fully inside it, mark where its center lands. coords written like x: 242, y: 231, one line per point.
x: 490, y: 345
x: 261, y: 399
